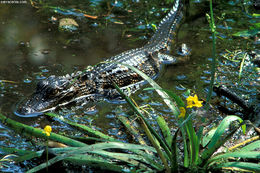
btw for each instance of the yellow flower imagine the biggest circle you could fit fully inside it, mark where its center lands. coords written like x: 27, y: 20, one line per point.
x: 192, y: 101
x: 183, y: 112
x: 47, y: 130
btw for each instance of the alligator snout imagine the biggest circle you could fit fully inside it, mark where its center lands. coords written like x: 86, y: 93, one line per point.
x: 48, y: 93
x: 32, y: 106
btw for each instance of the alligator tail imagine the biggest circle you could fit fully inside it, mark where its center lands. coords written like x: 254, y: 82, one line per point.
x: 168, y: 24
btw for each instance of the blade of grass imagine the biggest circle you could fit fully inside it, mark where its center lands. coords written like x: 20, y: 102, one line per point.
x: 15, y: 151
x: 253, y: 146
x: 240, y: 154
x: 96, y: 162
x: 174, y: 150
x: 90, y: 131
x: 214, y: 58
x: 241, y: 66
x: 132, y: 159
x: 72, y: 152
x: 244, y: 143
x: 163, y: 144
x: 25, y: 129
x: 172, y: 105
x: 207, y: 153
x: 132, y: 129
x: 175, y: 97
x: 156, y: 146
x: 89, y: 160
x: 193, y: 142
x: 165, y: 130
x: 243, y: 165
x: 222, y: 127
x: 207, y: 138
x: 28, y: 156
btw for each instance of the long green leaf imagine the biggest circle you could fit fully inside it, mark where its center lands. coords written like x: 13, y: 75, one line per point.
x: 214, y: 57
x: 207, y: 153
x: 95, y: 161
x: 136, y: 109
x: 72, y: 152
x: 165, y: 130
x: 241, y: 66
x: 247, y: 33
x: 50, y: 162
x: 243, y: 165
x: 103, y: 146
x: 131, y: 129
x: 175, y: 97
x: 174, y: 150
x: 28, y: 156
x: 250, y: 147
x: 186, y: 160
x: 193, y: 141
x: 172, y: 105
x: 240, y: 154
x: 207, y: 138
x: 25, y: 129
x: 132, y: 159
x: 221, y: 129
x: 22, y: 154
x: 156, y: 145
x: 19, y: 152
x: 90, y: 131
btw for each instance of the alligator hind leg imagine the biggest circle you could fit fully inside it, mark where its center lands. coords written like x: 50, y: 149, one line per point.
x: 183, y: 51
x: 166, y: 59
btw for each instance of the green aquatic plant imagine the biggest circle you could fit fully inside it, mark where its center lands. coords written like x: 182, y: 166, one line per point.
x: 214, y: 57
x: 192, y: 159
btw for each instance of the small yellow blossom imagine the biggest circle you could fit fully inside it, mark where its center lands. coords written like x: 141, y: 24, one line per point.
x: 192, y: 101
x: 183, y: 112
x: 47, y: 130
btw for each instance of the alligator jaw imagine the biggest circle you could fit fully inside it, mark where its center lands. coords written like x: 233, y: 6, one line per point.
x: 48, y: 95
x: 33, y: 106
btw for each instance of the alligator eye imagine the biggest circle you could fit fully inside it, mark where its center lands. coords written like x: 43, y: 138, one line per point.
x: 52, y: 92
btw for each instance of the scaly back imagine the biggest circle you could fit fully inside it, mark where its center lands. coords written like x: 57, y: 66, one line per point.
x: 168, y: 24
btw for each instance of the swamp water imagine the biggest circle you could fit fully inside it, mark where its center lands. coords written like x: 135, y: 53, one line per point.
x: 33, y: 47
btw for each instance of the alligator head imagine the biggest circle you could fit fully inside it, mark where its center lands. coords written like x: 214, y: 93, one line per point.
x: 49, y: 93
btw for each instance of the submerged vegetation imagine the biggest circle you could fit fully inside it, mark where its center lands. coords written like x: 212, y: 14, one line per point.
x: 158, y: 147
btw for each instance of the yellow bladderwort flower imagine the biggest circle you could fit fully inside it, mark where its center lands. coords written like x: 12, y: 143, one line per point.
x: 47, y: 130
x: 183, y: 112
x: 193, y: 101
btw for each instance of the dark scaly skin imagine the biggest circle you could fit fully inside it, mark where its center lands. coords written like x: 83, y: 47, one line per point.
x: 95, y: 82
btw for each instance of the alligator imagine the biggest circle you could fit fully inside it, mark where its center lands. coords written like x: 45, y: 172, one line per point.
x: 95, y: 82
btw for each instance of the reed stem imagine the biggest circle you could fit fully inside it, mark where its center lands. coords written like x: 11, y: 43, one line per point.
x: 214, y: 58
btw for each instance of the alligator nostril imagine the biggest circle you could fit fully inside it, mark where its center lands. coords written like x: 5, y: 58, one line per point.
x: 24, y: 110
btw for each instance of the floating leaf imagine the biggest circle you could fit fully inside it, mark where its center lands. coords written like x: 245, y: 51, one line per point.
x: 243, y: 165
x: 208, y: 137
x: 247, y: 33
x: 257, y: 25
x: 68, y: 24
x: 256, y: 15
